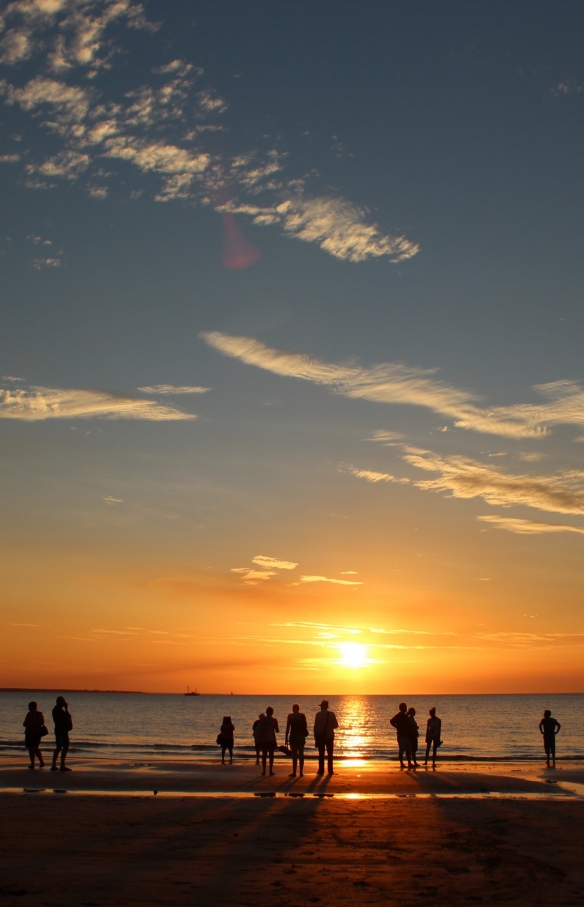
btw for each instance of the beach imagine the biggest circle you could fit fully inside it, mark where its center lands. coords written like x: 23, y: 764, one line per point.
x: 215, y: 834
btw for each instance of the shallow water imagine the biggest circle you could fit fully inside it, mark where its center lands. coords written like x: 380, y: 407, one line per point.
x: 137, y: 726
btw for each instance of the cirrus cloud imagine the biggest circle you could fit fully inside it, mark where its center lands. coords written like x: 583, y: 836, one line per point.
x: 33, y: 404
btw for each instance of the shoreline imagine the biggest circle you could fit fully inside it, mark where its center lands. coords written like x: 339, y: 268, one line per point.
x: 352, y: 778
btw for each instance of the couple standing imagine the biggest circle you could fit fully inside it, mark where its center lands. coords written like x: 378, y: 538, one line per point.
x: 408, y: 733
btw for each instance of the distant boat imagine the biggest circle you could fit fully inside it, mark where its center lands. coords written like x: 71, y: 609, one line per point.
x: 189, y: 693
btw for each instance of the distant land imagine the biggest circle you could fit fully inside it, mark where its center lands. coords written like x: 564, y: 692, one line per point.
x: 64, y: 690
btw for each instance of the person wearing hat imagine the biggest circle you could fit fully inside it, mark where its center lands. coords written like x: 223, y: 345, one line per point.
x: 325, y: 723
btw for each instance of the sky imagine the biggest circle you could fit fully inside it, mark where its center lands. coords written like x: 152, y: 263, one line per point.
x: 292, y: 393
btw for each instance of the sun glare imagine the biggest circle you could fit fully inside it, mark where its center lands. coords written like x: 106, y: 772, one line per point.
x: 353, y: 654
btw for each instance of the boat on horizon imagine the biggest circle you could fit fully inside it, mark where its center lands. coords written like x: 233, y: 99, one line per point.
x: 193, y: 693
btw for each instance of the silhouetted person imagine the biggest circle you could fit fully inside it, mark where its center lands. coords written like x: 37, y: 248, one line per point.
x: 296, y: 733
x: 414, y: 734
x: 34, y: 725
x: 226, y: 735
x: 268, y: 729
x: 549, y: 727
x: 325, y: 723
x: 433, y: 732
x: 401, y: 723
x: 257, y: 741
x: 63, y: 724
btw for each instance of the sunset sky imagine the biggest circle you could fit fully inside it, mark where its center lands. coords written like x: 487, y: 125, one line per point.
x: 292, y: 392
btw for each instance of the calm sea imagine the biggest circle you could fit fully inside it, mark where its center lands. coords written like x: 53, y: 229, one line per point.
x: 136, y: 726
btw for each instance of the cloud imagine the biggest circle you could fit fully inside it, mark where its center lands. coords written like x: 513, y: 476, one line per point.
x: 160, y: 128
x: 40, y: 263
x: 251, y: 577
x: 387, y: 438
x: 349, y: 572
x: 31, y: 404
x: 170, y: 389
x: 263, y: 560
x: 338, y: 226
x: 528, y: 527
x: 325, y: 579
x: 394, y: 383
x: 109, y: 500
x: 466, y: 478
x: 375, y: 477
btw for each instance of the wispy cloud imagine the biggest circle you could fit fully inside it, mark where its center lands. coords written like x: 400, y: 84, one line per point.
x: 326, y: 579
x: 170, y: 390
x: 252, y: 577
x: 370, y: 476
x: 528, y: 527
x: 31, y: 404
x: 466, y: 478
x: 394, y: 383
x: 349, y: 572
x: 110, y: 500
x: 335, y: 224
x: 160, y: 127
x: 263, y: 560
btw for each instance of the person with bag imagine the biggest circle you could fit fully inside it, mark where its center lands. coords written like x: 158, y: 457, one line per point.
x: 268, y: 729
x: 63, y: 724
x: 225, y: 739
x: 34, y: 730
x: 325, y: 723
x: 296, y: 734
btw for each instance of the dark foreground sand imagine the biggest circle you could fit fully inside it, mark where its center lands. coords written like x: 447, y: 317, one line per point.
x: 525, y: 847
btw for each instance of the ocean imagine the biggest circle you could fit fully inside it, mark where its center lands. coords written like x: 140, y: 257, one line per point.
x: 140, y: 726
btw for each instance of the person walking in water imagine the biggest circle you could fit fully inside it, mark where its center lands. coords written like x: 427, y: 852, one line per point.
x: 257, y: 736
x: 63, y: 724
x: 296, y: 733
x: 325, y: 723
x: 433, y: 732
x: 414, y: 734
x: 401, y: 723
x: 269, y: 728
x: 226, y: 738
x: 549, y: 727
x: 34, y: 729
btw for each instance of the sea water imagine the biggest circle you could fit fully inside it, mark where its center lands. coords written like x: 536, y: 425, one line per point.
x: 150, y: 726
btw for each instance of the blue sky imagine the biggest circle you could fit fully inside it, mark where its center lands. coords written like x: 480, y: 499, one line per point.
x: 298, y: 282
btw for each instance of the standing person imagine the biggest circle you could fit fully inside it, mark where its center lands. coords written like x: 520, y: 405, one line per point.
x: 433, y: 732
x: 226, y: 738
x: 549, y: 727
x: 401, y: 723
x: 414, y: 734
x: 257, y: 736
x: 63, y: 724
x: 296, y: 733
x: 325, y: 723
x: 34, y: 729
x: 269, y: 728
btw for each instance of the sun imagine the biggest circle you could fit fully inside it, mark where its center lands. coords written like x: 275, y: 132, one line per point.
x: 353, y: 655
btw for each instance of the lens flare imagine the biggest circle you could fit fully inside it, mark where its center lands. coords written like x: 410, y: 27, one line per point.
x: 238, y: 251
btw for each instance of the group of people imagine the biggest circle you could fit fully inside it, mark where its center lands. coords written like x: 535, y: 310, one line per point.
x: 35, y: 729
x: 264, y: 732
x: 408, y: 735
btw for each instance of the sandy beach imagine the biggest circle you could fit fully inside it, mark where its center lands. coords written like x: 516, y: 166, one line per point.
x: 223, y: 834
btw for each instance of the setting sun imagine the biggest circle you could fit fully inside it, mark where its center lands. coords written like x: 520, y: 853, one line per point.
x: 353, y: 655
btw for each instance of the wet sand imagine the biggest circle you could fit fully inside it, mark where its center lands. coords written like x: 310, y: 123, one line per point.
x: 425, y: 841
